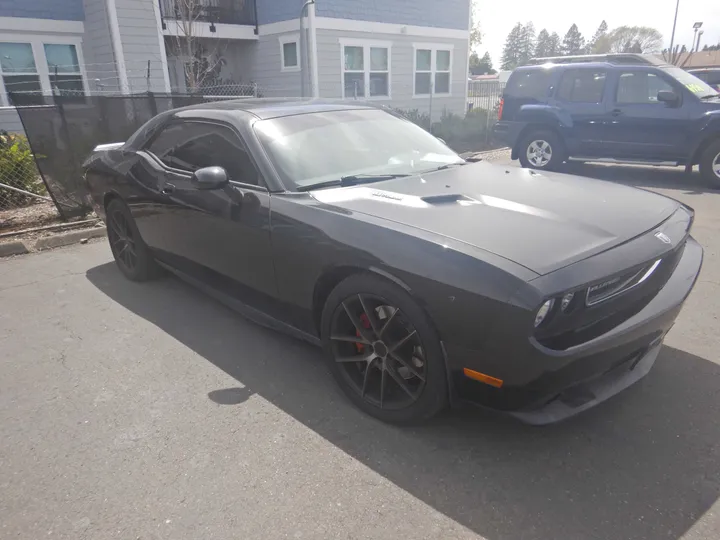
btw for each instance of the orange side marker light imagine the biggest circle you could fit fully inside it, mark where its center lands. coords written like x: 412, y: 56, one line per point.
x: 487, y: 379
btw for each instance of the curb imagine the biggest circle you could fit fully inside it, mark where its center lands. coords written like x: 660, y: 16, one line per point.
x: 68, y: 238
x: 13, y: 248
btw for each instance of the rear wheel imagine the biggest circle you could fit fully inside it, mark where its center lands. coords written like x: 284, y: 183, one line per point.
x: 383, y: 351
x: 710, y: 164
x: 131, y: 254
x: 541, y: 149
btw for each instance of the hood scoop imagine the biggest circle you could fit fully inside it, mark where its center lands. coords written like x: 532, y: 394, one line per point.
x: 451, y: 198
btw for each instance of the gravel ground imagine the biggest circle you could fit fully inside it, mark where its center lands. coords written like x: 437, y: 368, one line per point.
x: 148, y: 411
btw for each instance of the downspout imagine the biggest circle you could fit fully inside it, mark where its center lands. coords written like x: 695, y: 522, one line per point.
x: 304, y: 60
x: 312, y: 30
x: 117, y: 46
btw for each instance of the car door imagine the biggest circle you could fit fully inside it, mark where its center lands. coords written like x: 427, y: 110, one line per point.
x: 579, y: 98
x: 219, y: 236
x: 638, y: 125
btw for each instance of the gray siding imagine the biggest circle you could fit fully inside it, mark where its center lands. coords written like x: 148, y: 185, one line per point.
x: 266, y: 69
x: 10, y: 120
x: 141, y: 43
x: 401, y: 71
x: 270, y: 11
x: 100, y: 65
x: 59, y: 10
x: 445, y: 14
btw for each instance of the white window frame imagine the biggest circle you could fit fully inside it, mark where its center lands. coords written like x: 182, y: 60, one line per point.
x: 366, y: 44
x: 284, y: 40
x: 38, y: 42
x: 433, y: 48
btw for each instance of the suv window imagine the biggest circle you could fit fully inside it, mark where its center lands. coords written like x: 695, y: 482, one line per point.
x: 528, y: 84
x: 640, y: 87
x: 190, y: 146
x: 582, y: 86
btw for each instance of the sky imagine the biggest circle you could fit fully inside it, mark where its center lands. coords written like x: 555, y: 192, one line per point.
x: 498, y: 18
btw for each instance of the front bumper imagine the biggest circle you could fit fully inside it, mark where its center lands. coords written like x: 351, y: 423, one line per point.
x: 564, y: 383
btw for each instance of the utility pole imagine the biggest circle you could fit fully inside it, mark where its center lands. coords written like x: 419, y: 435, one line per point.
x: 672, y: 37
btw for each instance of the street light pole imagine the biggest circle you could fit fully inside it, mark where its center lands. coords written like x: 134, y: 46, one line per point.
x: 672, y: 38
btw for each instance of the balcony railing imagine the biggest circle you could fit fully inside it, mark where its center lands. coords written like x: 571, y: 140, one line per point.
x: 212, y: 11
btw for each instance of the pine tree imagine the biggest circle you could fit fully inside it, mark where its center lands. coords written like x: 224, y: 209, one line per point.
x: 573, y: 42
x: 527, y: 44
x: 554, y: 45
x: 481, y: 66
x: 598, y: 43
x: 542, y: 47
x: 511, y: 51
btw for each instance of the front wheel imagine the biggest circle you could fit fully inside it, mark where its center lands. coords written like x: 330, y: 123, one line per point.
x: 541, y: 150
x: 383, y: 350
x: 710, y: 164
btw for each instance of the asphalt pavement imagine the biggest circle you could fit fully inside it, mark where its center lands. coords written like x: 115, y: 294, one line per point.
x: 148, y: 411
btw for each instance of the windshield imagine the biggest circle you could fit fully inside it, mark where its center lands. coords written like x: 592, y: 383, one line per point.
x: 321, y: 147
x: 691, y: 82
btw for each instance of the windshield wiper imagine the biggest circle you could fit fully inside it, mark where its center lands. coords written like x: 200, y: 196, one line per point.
x: 352, y: 180
x: 710, y: 96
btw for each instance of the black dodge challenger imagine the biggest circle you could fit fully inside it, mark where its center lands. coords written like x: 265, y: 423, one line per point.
x: 428, y: 279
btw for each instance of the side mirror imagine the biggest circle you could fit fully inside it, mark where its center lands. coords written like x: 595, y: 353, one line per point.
x: 209, y: 178
x: 667, y: 96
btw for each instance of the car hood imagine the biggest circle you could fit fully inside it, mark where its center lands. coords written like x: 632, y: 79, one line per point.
x: 542, y: 221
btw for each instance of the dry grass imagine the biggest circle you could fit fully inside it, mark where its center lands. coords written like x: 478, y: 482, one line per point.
x: 39, y: 214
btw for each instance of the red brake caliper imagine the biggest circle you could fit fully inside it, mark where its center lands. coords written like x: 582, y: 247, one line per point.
x: 366, y: 323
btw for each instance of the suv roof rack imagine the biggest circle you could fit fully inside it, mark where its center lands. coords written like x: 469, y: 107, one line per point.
x: 619, y: 58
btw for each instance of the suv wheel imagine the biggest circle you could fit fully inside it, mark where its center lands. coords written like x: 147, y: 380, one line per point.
x: 710, y: 164
x: 541, y: 150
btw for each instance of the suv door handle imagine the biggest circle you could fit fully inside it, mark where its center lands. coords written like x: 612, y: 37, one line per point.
x: 616, y: 112
x: 167, y: 189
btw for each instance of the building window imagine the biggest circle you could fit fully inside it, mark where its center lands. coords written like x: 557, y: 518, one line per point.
x: 64, y: 70
x: 366, y: 70
x: 290, y: 53
x: 433, y: 66
x: 19, y: 73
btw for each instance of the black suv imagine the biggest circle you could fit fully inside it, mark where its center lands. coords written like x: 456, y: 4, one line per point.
x: 622, y: 108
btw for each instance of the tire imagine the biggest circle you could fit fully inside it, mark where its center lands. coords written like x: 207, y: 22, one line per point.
x: 710, y: 164
x: 394, y: 320
x: 544, y: 140
x: 131, y: 254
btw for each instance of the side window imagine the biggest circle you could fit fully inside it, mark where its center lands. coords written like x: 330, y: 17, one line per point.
x: 193, y: 145
x: 529, y: 84
x: 640, y: 87
x: 582, y: 86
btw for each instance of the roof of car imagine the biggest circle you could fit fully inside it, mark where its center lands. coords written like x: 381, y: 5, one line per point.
x: 275, y: 107
x: 596, y: 60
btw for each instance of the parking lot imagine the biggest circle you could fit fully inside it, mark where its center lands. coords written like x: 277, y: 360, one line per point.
x: 144, y: 411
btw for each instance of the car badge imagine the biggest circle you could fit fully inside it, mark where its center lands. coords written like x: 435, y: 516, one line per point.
x: 663, y: 237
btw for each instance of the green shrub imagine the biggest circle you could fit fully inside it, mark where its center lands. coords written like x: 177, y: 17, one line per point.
x: 18, y: 170
x: 415, y: 116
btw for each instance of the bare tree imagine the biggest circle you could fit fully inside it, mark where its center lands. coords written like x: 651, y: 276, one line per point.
x: 640, y: 39
x: 203, y: 57
x: 677, y: 57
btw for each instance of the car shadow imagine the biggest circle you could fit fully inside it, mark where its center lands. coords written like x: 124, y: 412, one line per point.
x: 644, y: 177
x: 643, y: 465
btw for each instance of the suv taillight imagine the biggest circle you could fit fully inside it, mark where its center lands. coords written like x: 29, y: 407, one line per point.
x: 500, y: 108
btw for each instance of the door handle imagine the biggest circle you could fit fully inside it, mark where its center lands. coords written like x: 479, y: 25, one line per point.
x: 616, y: 112
x: 167, y: 189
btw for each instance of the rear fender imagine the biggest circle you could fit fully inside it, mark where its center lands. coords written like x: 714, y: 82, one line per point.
x: 710, y: 132
x: 538, y: 117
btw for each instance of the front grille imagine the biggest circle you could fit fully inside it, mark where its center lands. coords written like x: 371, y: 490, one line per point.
x: 606, y: 290
x: 604, y: 305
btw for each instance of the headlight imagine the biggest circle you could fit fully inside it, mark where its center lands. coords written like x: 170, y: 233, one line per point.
x: 565, y: 302
x: 543, y: 311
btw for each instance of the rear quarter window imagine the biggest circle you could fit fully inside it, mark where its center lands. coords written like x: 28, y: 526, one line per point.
x: 528, y: 84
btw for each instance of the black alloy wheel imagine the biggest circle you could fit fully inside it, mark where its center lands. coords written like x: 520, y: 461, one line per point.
x: 122, y: 240
x: 131, y: 254
x: 378, y: 354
